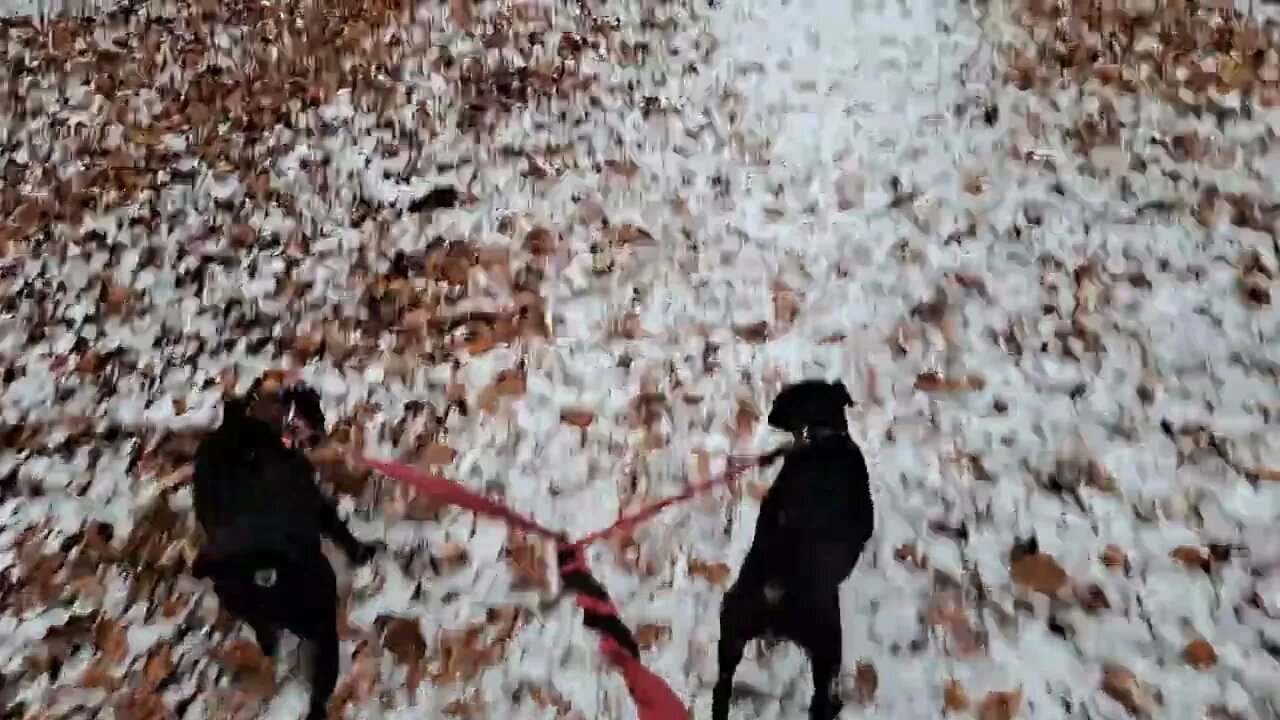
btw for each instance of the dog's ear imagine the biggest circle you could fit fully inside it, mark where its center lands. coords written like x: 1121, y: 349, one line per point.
x: 845, y: 398
x: 306, y: 402
x: 785, y: 413
x: 235, y: 409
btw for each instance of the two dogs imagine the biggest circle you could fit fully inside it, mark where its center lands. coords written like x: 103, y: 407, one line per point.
x: 813, y: 524
x: 263, y: 517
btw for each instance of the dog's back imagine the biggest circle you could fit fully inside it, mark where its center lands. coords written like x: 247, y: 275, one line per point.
x: 254, y: 495
x: 824, y: 493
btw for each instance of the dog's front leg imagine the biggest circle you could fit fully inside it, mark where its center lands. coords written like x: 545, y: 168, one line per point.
x: 324, y: 676
x: 336, y: 530
x: 267, y: 634
x: 825, y: 655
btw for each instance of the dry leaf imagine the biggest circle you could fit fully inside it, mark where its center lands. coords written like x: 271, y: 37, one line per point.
x: 1114, y: 557
x: 756, y: 332
x: 651, y: 635
x: 1191, y: 556
x: 1120, y: 685
x: 436, y: 454
x: 1039, y: 572
x: 402, y: 637
x: 716, y: 573
x: 577, y: 417
x: 158, y: 666
x: 865, y: 683
x: 1199, y: 654
x: 909, y: 553
x: 110, y: 640
x: 1000, y: 705
x: 525, y: 556
x: 954, y: 697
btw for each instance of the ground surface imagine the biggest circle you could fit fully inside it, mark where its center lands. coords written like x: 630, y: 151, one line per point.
x: 1036, y: 242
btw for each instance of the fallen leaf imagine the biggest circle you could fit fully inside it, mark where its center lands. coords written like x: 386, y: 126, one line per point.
x: 651, y: 635
x: 436, y: 454
x: 452, y: 557
x: 954, y: 697
x: 158, y: 666
x: 865, y: 683
x: 525, y: 556
x: 909, y: 553
x: 402, y: 637
x: 716, y: 573
x: 756, y: 332
x: 1114, y: 558
x: 1000, y: 705
x: 1191, y: 556
x: 1038, y: 572
x: 1199, y: 654
x: 110, y: 640
x: 1119, y: 684
x: 98, y: 677
x: 577, y: 417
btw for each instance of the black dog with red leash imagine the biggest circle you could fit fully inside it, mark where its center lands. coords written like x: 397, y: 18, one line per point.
x: 813, y: 524
x: 263, y: 518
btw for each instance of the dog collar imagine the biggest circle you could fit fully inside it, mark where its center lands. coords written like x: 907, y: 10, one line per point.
x: 811, y: 433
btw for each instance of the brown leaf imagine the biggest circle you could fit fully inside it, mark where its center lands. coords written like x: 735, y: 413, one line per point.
x: 1120, y: 685
x: 525, y: 556
x: 716, y: 573
x: 954, y: 697
x: 628, y: 234
x: 1191, y: 556
x: 1039, y: 572
x: 1114, y: 557
x: 786, y: 307
x: 932, y: 381
x: 651, y: 635
x: 436, y: 454
x: 909, y: 553
x: 158, y: 666
x: 1093, y: 597
x: 510, y: 383
x: 481, y: 340
x: 540, y: 241
x: 98, y: 676
x: 577, y: 417
x: 1200, y: 654
x: 756, y: 332
x: 110, y: 640
x: 865, y: 683
x: 1000, y: 705
x: 402, y: 637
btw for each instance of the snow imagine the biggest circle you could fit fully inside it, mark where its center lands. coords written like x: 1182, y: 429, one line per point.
x: 784, y: 150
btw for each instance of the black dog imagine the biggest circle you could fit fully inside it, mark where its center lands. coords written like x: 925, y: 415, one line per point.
x: 813, y: 525
x: 263, y: 517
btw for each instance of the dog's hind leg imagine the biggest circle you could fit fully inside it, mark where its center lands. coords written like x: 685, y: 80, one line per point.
x: 743, y: 617
x: 312, y: 614
x: 728, y: 656
x: 824, y: 649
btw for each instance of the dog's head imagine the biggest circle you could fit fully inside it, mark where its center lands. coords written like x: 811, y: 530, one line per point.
x: 810, y: 404
x: 293, y: 410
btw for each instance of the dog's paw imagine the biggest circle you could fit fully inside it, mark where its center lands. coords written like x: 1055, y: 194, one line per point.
x: 364, y: 552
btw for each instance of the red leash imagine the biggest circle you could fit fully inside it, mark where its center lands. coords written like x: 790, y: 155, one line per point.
x: 654, y: 699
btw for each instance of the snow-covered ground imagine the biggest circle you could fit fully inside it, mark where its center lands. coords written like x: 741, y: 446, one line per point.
x: 1046, y: 302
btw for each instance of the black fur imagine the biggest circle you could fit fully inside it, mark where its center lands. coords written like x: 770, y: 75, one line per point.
x: 263, y: 519
x: 813, y: 525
